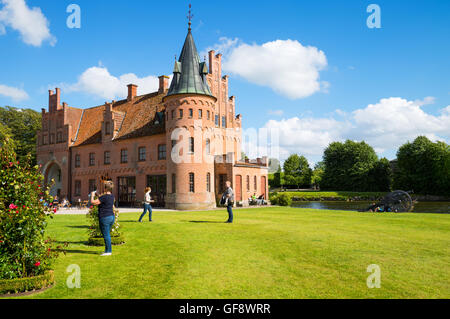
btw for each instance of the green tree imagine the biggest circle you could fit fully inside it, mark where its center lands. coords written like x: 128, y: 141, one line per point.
x: 380, y: 176
x: 23, y: 125
x: 347, y: 166
x: 297, y: 171
x: 317, y: 174
x: 423, y: 166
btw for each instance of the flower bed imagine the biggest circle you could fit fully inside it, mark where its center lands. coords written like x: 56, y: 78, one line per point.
x: 27, y: 284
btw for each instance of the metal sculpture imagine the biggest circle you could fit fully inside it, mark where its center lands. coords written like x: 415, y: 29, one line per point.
x: 395, y: 202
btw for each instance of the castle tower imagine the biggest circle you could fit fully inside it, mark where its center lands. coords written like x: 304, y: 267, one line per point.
x: 190, y: 113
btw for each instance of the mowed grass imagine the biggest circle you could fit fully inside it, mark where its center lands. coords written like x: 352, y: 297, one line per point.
x: 267, y: 253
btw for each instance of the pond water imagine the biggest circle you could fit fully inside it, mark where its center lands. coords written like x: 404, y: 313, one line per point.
x: 421, y: 207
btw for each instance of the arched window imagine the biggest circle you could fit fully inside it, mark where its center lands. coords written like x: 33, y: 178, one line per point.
x: 208, y: 182
x: 208, y: 146
x: 191, y: 145
x: 255, y: 186
x: 191, y: 183
x: 248, y: 183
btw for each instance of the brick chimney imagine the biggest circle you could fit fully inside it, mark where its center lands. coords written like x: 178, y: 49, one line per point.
x: 132, y: 91
x: 163, y: 84
x: 54, y: 100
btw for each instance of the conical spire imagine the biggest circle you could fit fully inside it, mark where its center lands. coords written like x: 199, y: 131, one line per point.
x: 189, y: 74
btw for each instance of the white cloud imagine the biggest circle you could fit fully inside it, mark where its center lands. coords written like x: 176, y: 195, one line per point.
x: 14, y: 93
x: 99, y: 82
x: 276, y: 112
x: 224, y: 46
x: 385, y: 125
x: 285, y: 66
x: 29, y: 22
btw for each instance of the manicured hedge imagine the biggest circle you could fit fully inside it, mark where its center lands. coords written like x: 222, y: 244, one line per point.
x: 100, y: 242
x: 18, y: 285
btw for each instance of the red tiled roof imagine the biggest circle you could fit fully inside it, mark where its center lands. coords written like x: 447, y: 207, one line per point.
x: 140, y: 114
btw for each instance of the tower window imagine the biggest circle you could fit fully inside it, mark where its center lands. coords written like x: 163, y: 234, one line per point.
x: 217, y: 121
x: 208, y: 146
x: 208, y: 115
x: 191, y: 145
x: 191, y: 183
x: 173, y: 114
x: 200, y: 114
x: 224, y: 121
x: 208, y: 182
x: 191, y: 113
x: 181, y: 114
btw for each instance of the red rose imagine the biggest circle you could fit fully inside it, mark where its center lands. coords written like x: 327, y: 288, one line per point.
x: 37, y: 264
x: 17, y: 211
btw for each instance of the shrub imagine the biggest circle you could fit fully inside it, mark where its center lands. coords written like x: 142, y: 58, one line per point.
x: 24, y: 252
x: 284, y: 199
x: 94, y: 230
x: 18, y: 285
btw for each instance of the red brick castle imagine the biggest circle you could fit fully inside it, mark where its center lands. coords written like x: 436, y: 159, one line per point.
x: 184, y: 141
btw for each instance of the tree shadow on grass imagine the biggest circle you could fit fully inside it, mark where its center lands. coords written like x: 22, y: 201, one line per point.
x: 205, y: 222
x: 79, y: 226
x: 81, y: 242
x: 77, y: 251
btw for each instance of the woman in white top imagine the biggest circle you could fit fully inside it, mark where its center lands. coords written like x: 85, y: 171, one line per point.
x: 147, y: 204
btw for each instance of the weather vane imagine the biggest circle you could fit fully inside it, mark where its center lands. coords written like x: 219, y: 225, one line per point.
x: 190, y: 16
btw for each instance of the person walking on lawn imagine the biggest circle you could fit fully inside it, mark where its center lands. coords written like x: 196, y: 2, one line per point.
x: 147, y: 205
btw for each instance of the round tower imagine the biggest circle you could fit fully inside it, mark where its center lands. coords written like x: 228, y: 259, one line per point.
x: 189, y: 124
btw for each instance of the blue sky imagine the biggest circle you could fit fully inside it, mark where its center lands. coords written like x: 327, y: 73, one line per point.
x: 400, y: 71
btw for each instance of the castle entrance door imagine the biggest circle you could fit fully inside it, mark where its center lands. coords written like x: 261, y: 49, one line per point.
x: 238, y: 188
x: 158, y: 183
x: 127, y: 191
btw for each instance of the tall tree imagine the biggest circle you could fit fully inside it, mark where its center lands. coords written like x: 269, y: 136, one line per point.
x: 347, y: 166
x: 23, y: 125
x: 297, y: 171
x: 317, y: 174
x: 423, y: 166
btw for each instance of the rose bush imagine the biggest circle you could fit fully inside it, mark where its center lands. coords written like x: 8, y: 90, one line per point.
x: 24, y: 250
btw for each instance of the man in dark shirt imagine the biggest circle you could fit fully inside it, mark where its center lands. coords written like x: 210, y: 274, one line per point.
x: 229, y: 201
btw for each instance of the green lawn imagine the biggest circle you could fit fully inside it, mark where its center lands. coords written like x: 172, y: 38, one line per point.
x: 267, y: 253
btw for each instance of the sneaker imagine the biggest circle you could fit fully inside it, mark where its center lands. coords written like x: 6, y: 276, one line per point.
x: 106, y: 254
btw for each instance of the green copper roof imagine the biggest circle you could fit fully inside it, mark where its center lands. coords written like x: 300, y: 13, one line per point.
x: 189, y: 74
